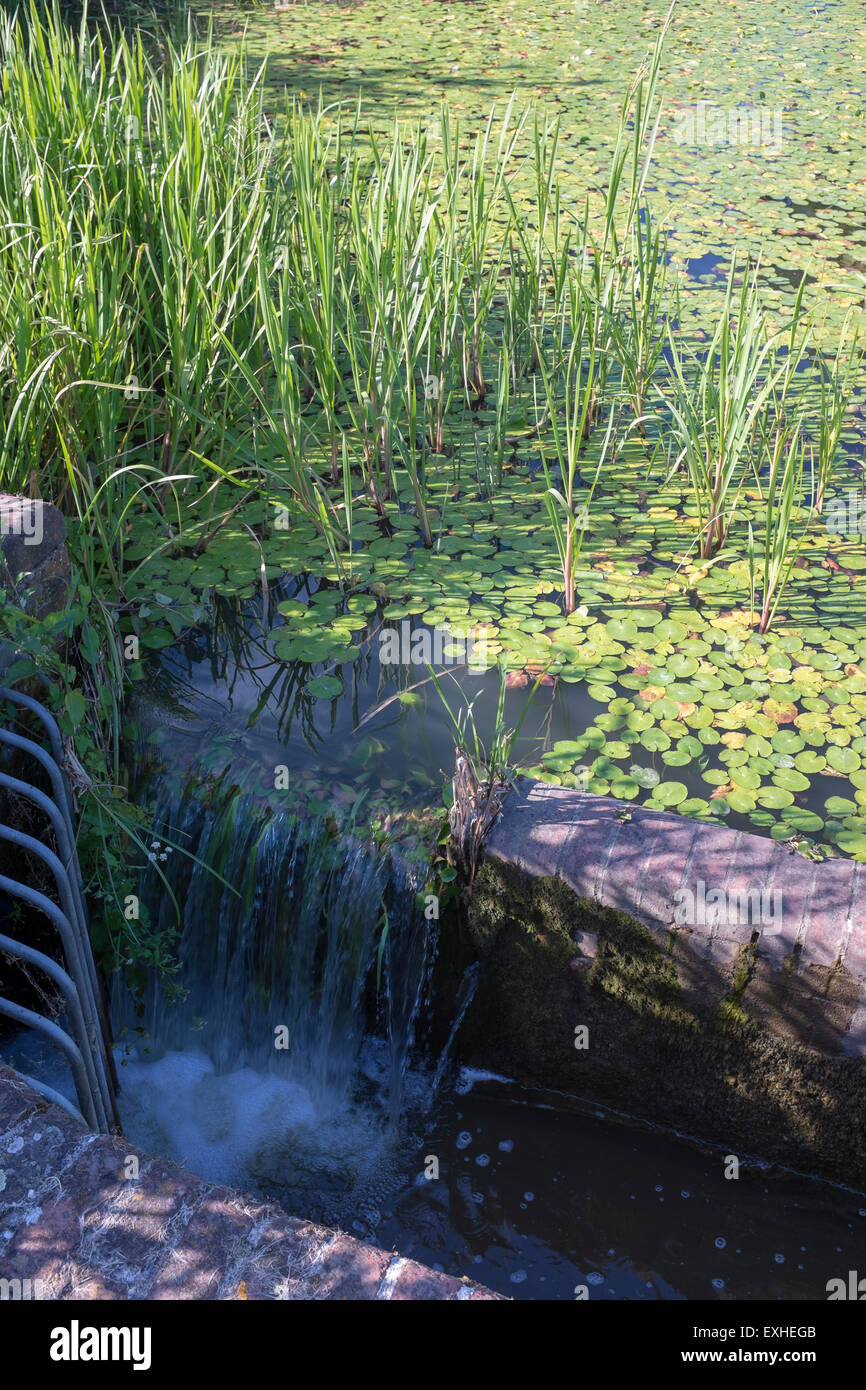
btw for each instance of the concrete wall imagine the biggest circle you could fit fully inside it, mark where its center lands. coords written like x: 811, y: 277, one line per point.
x: 747, y: 1033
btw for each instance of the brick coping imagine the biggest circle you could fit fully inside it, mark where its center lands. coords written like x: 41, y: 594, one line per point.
x: 645, y: 862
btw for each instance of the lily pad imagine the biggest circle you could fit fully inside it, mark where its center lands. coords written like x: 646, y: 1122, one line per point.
x: 670, y: 793
x: 324, y: 687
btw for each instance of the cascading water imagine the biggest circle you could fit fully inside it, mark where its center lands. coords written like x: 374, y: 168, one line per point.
x: 283, y: 1067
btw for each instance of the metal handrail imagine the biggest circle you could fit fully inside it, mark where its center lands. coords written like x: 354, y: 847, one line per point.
x: 86, y: 1045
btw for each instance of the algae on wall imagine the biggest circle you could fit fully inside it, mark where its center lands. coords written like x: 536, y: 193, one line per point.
x: 577, y: 997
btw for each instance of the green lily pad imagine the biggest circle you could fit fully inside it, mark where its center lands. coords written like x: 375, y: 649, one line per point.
x: 670, y: 793
x: 625, y: 788
x: 809, y: 761
x: 325, y: 687
x: 791, y: 780
x: 843, y: 759
x: 655, y: 740
x: 774, y: 798
x: 802, y: 819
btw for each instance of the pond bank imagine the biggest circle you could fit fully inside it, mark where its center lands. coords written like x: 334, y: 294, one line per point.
x: 749, y: 1034
x: 85, y: 1216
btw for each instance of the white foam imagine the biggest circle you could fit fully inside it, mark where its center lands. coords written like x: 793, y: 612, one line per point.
x: 262, y: 1134
x: 470, y: 1076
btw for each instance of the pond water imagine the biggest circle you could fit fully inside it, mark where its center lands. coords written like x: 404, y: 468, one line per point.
x: 225, y: 700
x: 545, y: 1201
x: 658, y: 688
x: 792, y: 69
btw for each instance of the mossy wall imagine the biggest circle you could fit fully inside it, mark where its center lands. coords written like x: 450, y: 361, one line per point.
x: 670, y: 1038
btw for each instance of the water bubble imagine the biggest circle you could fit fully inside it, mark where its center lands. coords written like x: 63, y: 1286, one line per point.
x: 685, y: 1194
x: 478, y: 1196
x: 720, y: 1242
x: 505, y: 1145
x: 862, y: 1211
x: 659, y: 1187
x: 483, y: 1160
x: 595, y: 1277
x: 464, y: 1139
x: 780, y: 1259
x: 518, y: 1276
x: 529, y: 1196
x: 718, y: 1283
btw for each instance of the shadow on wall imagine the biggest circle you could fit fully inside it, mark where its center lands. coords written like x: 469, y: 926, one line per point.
x: 739, y: 1045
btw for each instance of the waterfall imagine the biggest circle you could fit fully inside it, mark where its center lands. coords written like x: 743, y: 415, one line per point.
x: 465, y: 995
x: 282, y: 919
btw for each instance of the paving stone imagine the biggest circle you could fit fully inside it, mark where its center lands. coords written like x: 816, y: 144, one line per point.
x: 34, y: 1157
x: 33, y: 550
x: 283, y: 1262
x: 790, y: 894
x: 215, y: 1239
x: 751, y: 871
x: 417, y: 1281
x: 52, y: 1244
x: 536, y: 830
x: 588, y: 845
x: 854, y: 1041
x: 651, y: 878
x: 350, y: 1270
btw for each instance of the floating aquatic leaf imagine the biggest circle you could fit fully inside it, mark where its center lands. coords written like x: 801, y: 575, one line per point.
x: 670, y: 793
x: 843, y: 759
x: 324, y: 687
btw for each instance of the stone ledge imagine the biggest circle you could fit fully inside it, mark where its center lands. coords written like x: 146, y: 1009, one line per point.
x: 749, y: 1033
x: 637, y: 864
x: 33, y: 558
x: 71, y: 1219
